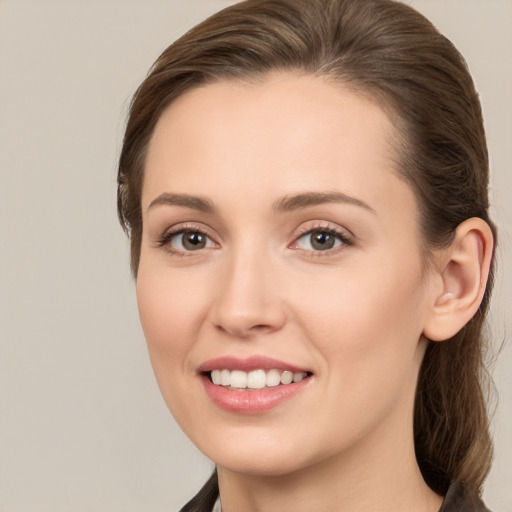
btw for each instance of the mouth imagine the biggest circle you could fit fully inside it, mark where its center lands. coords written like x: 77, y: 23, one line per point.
x: 253, y: 385
x: 255, y: 379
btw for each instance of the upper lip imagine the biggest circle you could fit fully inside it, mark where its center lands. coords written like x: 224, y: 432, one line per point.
x: 248, y: 364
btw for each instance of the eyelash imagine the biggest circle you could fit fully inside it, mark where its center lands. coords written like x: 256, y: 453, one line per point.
x: 165, y: 240
x: 345, y: 240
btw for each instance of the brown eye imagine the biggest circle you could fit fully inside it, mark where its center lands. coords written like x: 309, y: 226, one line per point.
x: 186, y: 241
x: 194, y: 241
x: 321, y: 239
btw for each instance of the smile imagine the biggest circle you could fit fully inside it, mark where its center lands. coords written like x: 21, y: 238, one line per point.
x: 256, y: 379
x: 254, y: 385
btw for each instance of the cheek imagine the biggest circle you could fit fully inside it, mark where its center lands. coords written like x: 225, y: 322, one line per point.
x: 350, y: 303
x: 368, y: 337
x: 367, y: 323
x: 169, y: 308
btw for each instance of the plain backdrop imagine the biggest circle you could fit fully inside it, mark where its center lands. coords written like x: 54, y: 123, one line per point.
x: 82, y: 424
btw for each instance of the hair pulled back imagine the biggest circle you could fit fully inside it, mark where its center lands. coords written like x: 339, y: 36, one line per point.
x: 389, y: 52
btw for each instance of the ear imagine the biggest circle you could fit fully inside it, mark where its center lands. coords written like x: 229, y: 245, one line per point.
x: 463, y: 269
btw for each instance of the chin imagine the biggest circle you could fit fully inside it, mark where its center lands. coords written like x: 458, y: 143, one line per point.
x: 271, y: 465
x: 258, y: 455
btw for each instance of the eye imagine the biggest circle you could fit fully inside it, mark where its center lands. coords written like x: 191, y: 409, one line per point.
x: 187, y: 240
x: 321, y: 239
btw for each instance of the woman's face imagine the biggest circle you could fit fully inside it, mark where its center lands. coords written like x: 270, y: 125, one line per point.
x: 280, y: 244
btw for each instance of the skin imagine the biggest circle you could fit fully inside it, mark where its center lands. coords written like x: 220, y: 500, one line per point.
x: 353, y: 315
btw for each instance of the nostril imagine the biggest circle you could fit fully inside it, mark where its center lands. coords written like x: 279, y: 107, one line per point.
x: 242, y: 331
x: 261, y: 327
x: 245, y: 305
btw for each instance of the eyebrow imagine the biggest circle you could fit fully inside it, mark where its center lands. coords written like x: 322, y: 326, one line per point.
x: 284, y: 205
x: 199, y: 203
x: 308, y: 199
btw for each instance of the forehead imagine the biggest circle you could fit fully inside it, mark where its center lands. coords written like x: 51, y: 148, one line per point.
x: 288, y: 130
x: 298, y: 104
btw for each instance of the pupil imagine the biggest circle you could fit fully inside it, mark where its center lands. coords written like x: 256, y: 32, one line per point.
x: 194, y: 241
x: 322, y: 241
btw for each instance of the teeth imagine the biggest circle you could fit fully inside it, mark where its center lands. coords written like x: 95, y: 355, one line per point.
x: 216, y: 376
x: 225, y: 378
x: 297, y: 377
x: 257, y: 379
x: 286, y: 377
x: 273, y: 378
x: 238, y: 379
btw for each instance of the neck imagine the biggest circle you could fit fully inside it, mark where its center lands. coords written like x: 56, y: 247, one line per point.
x: 378, y: 473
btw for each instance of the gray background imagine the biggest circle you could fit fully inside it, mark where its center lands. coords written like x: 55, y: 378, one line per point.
x: 82, y: 424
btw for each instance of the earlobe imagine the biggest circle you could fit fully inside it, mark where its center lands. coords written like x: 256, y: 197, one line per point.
x: 464, y: 270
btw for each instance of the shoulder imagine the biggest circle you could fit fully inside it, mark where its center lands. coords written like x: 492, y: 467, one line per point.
x: 460, y: 499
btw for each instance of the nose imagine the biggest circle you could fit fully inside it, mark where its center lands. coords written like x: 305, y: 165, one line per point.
x: 249, y: 297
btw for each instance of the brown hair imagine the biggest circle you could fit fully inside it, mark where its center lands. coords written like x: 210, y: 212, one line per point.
x: 387, y: 50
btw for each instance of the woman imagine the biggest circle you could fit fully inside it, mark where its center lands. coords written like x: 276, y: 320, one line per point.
x: 304, y: 183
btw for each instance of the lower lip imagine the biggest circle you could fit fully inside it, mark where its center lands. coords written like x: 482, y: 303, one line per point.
x: 253, y: 401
